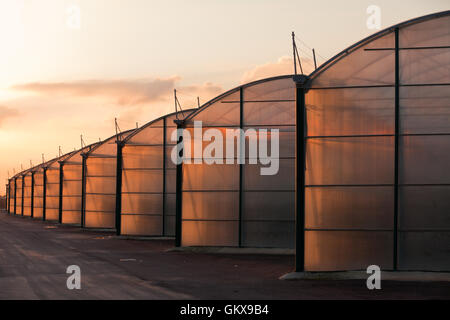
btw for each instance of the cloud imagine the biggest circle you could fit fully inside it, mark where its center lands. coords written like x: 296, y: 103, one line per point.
x: 6, y: 113
x: 283, y: 66
x: 123, y: 92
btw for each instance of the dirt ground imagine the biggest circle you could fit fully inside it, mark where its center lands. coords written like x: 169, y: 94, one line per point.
x: 34, y: 256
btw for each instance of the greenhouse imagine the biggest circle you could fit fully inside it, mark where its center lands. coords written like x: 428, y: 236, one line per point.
x: 72, y: 173
x: 376, y: 183
x: 99, y: 187
x: 27, y: 204
x: 38, y: 192
x: 365, y: 180
x: 233, y: 204
x: 18, y: 195
x: 52, y: 189
x: 148, y: 183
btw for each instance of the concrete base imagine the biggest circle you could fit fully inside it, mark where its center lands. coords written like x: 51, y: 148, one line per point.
x: 144, y: 238
x: 231, y: 250
x: 362, y: 275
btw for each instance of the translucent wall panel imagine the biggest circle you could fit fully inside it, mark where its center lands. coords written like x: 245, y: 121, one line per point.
x: 221, y: 199
x: 350, y: 164
x: 349, y: 210
x: 72, y: 189
x: 19, y: 195
x: 101, y: 171
x: 52, y: 193
x: 424, y: 205
x: 27, y: 195
x: 38, y: 200
x: 12, y: 184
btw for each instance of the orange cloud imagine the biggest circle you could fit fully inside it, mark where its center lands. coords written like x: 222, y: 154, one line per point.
x: 283, y: 66
x: 6, y: 113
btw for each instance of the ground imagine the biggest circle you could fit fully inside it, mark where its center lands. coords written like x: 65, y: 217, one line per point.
x: 34, y: 256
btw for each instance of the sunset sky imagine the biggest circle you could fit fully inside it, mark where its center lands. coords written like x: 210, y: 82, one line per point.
x: 59, y: 79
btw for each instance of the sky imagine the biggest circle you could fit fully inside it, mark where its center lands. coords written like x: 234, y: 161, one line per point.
x: 70, y: 67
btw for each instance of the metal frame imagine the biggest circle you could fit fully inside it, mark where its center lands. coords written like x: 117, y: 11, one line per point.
x: 44, y: 193
x: 61, y: 189
x: 179, y: 188
x: 119, y: 167
x: 300, y: 163
x: 32, y: 196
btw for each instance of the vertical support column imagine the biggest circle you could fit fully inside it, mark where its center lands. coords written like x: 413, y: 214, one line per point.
x: 8, y: 203
x: 179, y: 186
x: 396, y: 144
x: 15, y: 196
x: 83, y: 190
x: 23, y: 192
x: 300, y: 162
x: 44, y: 193
x: 32, y: 196
x: 241, y: 166
x: 119, y: 167
x: 61, y: 186
x: 164, y: 179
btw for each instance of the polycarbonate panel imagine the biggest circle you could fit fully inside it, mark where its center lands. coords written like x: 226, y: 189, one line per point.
x: 362, y: 67
x: 350, y: 161
x: 103, y: 185
x: 142, y: 203
x: 12, y: 196
x: 283, y: 180
x: 218, y: 114
x: 274, y: 90
x: 53, y: 176
x: 170, y: 203
x: 27, y: 195
x: 142, y: 157
x: 268, y: 234
x: 171, y: 181
x: 349, y: 207
x: 100, y: 202
x: 431, y: 33
x: 286, y: 141
x: 101, y: 166
x: 425, y: 109
x: 19, y: 196
x: 71, y: 204
x: 72, y: 172
x: 344, y: 112
x: 267, y: 205
x: 348, y: 250
x: 210, y: 205
x: 72, y: 188
x: 142, y: 225
x: 269, y: 113
x: 37, y: 212
x: 424, y: 207
x: 211, y: 195
x: 138, y: 180
x: 152, y: 135
x: 102, y: 220
x: 38, y: 201
x: 51, y: 214
x: 424, y: 160
x: 425, y: 66
x: 71, y: 217
x: 424, y: 251
x: 210, y: 233
x: 210, y: 177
